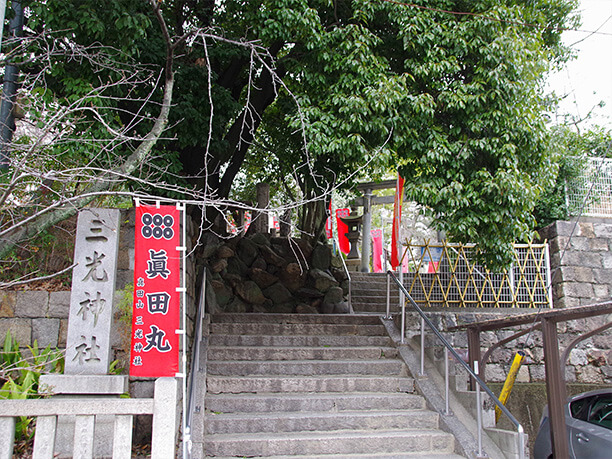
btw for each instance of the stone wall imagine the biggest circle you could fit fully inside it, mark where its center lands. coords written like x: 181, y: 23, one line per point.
x: 42, y: 316
x: 589, y: 362
x: 261, y: 273
x: 581, y: 261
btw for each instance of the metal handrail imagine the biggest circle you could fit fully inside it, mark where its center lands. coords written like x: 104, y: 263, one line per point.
x: 449, y: 348
x: 346, y: 271
x: 194, y: 368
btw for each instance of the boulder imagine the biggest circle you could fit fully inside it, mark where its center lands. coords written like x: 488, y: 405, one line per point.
x: 262, y: 278
x: 271, y: 257
x: 342, y: 308
x: 250, y: 292
x: 321, y: 257
x: 278, y: 293
x: 247, y: 251
x: 261, y: 239
x: 303, y: 308
x: 292, y: 277
x: 259, y: 263
x: 236, y: 266
x: 309, y: 293
x: 216, y: 266
x: 321, y: 280
x: 224, y: 252
x: 236, y: 305
x: 222, y: 292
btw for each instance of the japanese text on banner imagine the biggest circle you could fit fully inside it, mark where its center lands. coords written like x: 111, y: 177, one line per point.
x: 156, y: 311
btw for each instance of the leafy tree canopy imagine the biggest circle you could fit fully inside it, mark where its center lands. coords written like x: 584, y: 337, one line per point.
x: 447, y: 91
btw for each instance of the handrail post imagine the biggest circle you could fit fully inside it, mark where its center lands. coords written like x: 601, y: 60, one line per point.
x: 388, y: 316
x: 478, y: 412
x: 446, y: 382
x: 422, y: 347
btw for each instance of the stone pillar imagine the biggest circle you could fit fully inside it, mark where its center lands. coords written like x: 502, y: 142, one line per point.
x: 88, y: 342
x: 261, y: 218
x: 366, y: 241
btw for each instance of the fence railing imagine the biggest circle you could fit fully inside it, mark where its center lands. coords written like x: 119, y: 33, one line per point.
x: 448, y: 275
x: 474, y: 373
x: 591, y: 192
x: 163, y: 407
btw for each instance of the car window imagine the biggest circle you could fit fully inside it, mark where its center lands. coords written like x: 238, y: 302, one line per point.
x: 601, y: 411
x: 579, y: 408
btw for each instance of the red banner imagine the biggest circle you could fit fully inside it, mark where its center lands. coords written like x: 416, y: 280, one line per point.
x: 396, y: 249
x: 156, y: 312
x: 377, y: 250
x: 345, y: 245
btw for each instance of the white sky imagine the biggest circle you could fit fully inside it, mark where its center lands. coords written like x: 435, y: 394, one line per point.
x: 587, y: 80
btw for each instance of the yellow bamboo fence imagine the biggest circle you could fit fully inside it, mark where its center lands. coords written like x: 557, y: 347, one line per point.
x: 447, y: 275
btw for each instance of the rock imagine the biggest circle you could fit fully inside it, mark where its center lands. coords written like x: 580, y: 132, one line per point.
x: 261, y: 239
x: 303, y: 308
x: 212, y: 305
x: 321, y: 280
x: 224, y: 252
x: 210, y: 244
x: 309, y: 293
x: 278, y: 293
x: 342, y: 308
x: 236, y: 266
x: 247, y: 251
x: 271, y: 257
x: 259, y: 263
x: 334, y: 295
x: 321, y: 257
x: 250, y: 292
x: 283, y: 308
x: 262, y: 278
x: 292, y: 277
x: 339, y: 274
x: 237, y: 305
x: 299, y: 250
x: 218, y: 265
x: 222, y: 293
x: 327, y: 308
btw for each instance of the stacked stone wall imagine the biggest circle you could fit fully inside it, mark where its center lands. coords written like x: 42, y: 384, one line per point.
x: 580, y: 261
x: 589, y: 362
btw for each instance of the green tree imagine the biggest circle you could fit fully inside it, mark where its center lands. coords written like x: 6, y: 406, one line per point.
x: 449, y: 91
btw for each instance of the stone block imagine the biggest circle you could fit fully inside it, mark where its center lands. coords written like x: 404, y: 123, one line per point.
x: 590, y: 375
x: 603, y: 276
x: 32, y: 304
x: 579, y: 243
x: 586, y: 229
x: 7, y: 303
x: 46, y: 332
x: 602, y: 292
x: 21, y: 330
x: 598, y: 244
x: 537, y: 373
x: 578, y: 357
x: 63, y: 333
x: 585, y: 259
x: 59, y: 305
x: 603, y: 230
x: 606, y: 259
x: 578, y: 290
x: 523, y: 375
x: 85, y: 384
x: 577, y: 274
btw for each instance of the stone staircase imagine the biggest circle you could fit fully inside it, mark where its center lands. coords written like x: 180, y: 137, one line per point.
x: 369, y: 293
x: 326, y: 386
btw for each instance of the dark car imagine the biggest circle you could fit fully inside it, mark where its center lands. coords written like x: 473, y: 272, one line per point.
x: 588, y: 417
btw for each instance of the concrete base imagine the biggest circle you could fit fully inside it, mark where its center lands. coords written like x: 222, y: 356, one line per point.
x: 84, y: 387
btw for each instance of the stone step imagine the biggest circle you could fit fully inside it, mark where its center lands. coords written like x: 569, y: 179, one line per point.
x: 360, y: 306
x: 306, y: 367
x: 299, y: 353
x: 402, y: 455
x: 299, y: 340
x: 303, y: 402
x: 319, y: 421
x: 296, y: 329
x: 293, y: 318
x: 259, y: 384
x: 337, y: 442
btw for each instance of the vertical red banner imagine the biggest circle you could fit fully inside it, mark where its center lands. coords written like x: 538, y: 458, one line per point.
x: 377, y: 250
x: 345, y: 245
x: 156, y: 313
x: 396, y: 249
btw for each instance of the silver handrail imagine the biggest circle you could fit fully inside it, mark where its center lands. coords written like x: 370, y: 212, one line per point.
x: 481, y: 383
x: 194, y: 368
x: 346, y: 271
